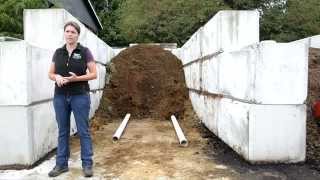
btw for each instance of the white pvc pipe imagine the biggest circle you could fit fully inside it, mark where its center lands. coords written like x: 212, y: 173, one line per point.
x: 182, y: 139
x: 120, y: 129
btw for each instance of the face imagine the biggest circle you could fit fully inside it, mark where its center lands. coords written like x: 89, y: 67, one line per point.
x: 71, y: 35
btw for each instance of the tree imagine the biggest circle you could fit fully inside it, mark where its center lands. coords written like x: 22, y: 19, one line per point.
x: 11, y: 15
x: 164, y: 20
x: 107, y: 12
x: 302, y: 19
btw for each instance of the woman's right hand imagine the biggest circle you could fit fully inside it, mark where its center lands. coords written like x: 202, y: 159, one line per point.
x: 60, y: 80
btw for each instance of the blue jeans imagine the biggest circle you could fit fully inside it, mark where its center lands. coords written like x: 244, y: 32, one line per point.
x: 80, y: 106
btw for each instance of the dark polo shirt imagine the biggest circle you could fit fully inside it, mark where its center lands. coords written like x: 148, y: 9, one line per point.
x: 76, y: 63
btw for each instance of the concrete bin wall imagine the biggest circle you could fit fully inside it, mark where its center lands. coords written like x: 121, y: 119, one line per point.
x: 249, y: 94
x: 28, y: 128
x: 259, y: 133
x: 313, y: 41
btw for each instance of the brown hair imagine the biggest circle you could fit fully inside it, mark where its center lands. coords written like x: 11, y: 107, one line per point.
x: 73, y: 24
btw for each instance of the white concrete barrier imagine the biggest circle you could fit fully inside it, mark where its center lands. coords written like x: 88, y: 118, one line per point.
x: 242, y: 90
x: 53, y: 20
x: 263, y: 73
x: 95, y: 98
x: 313, y: 41
x: 99, y: 83
x: 23, y: 73
x: 27, y: 133
x: 192, y: 48
x: 27, y: 128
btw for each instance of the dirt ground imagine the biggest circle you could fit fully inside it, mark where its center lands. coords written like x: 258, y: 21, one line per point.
x: 149, y: 149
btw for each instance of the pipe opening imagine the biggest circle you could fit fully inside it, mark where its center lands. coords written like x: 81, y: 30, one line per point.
x: 184, y: 142
x: 115, y: 139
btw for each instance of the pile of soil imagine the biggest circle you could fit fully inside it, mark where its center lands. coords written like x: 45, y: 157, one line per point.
x: 313, y: 128
x: 147, y: 82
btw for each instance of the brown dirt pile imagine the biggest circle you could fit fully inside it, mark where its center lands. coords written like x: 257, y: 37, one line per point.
x: 313, y: 130
x: 146, y: 81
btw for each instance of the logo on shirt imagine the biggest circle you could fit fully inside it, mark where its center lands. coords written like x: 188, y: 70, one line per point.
x: 76, y: 56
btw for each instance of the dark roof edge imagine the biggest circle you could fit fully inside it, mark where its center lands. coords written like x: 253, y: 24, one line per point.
x: 95, y: 14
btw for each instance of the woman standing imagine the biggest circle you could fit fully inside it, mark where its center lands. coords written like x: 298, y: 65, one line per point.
x: 71, y: 68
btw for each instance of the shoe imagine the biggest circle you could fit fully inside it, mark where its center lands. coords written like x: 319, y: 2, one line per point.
x: 87, y: 171
x: 57, y: 170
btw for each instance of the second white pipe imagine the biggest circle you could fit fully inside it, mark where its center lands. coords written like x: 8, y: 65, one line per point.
x: 182, y: 139
x: 120, y: 129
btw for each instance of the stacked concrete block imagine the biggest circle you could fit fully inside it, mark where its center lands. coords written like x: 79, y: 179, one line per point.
x: 249, y: 94
x: 95, y: 97
x: 52, y: 37
x: 13, y: 73
x: 192, y: 48
x: 54, y: 19
x: 263, y: 73
x: 28, y: 126
x: 313, y: 41
x: 99, y: 83
x: 229, y: 31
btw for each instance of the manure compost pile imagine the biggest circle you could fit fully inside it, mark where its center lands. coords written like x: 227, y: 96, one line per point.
x: 147, y: 82
x: 313, y: 125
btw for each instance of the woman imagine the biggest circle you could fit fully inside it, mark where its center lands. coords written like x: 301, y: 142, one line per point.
x: 71, y: 68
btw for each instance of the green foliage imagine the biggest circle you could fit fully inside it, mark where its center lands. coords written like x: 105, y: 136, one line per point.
x: 302, y: 19
x: 11, y: 15
x: 164, y: 20
x: 107, y: 12
x: 126, y: 21
x: 282, y: 20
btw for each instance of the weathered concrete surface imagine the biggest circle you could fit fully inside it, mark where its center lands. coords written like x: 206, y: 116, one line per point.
x: 26, y: 95
x: 224, y: 59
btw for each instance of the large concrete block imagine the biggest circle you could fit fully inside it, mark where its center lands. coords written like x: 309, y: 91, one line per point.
x: 210, y: 75
x: 102, y: 52
x: 34, y: 21
x: 15, y: 136
x: 209, y: 112
x: 54, y: 20
x: 313, y: 41
x: 15, y: 78
x: 28, y: 133
x: 191, y: 50
x: 233, y: 125
x: 236, y: 74
x: 43, y: 129
x: 192, y: 76
x: 229, y: 31
x: 281, y: 73
x: 177, y: 52
x: 263, y: 73
x: 98, y: 83
x: 42, y: 88
x: 277, y: 133
x: 29, y: 82
x: 259, y: 133
x: 95, y: 98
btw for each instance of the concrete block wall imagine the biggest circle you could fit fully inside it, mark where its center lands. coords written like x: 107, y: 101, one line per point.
x: 54, y: 20
x: 28, y: 128
x: 313, y: 41
x: 250, y: 94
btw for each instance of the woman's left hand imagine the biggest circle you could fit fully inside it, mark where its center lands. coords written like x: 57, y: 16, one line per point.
x: 73, y: 77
